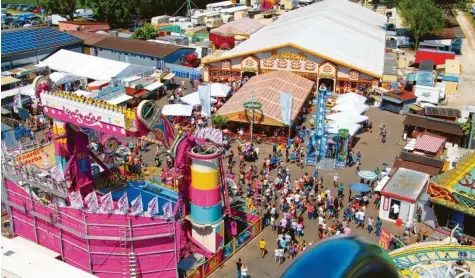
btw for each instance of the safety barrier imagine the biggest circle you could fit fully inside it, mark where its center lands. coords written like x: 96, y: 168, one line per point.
x: 228, y: 250
x: 184, y: 72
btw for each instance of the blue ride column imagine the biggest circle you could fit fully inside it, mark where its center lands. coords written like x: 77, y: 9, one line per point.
x: 317, y: 141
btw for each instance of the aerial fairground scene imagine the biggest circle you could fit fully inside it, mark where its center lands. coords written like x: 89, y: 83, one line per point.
x: 241, y: 138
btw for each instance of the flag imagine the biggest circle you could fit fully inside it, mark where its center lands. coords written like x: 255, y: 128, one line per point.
x: 204, y: 93
x: 17, y: 102
x: 123, y: 204
x: 91, y: 201
x: 106, y: 203
x: 167, y: 209
x: 76, y: 200
x: 153, y: 206
x: 286, y: 107
x: 137, y: 205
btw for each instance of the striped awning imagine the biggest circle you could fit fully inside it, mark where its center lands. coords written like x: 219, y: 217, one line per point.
x: 429, y: 143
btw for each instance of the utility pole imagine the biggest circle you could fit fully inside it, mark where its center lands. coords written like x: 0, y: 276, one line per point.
x: 470, y: 138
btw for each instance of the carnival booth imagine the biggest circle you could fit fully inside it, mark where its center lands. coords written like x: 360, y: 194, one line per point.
x: 402, y: 195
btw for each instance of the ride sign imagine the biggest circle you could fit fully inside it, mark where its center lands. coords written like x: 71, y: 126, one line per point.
x: 252, y: 105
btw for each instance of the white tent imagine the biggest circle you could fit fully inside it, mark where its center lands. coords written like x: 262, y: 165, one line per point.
x: 92, y: 67
x: 350, y: 106
x: 218, y: 89
x: 62, y: 77
x: 336, y: 126
x: 353, y: 97
x: 194, y: 99
x: 177, y: 110
x: 27, y: 90
x: 347, y: 117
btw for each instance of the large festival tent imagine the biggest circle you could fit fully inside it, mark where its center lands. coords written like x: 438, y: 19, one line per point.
x: 92, y: 67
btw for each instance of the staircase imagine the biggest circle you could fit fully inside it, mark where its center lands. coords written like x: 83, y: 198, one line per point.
x: 125, y: 271
x: 132, y: 265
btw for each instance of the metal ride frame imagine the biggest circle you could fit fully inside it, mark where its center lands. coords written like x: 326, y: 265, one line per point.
x: 57, y: 218
x: 407, y: 258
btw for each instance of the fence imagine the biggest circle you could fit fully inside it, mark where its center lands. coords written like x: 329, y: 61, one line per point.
x: 228, y: 250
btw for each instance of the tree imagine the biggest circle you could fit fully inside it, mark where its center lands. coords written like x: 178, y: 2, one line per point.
x: 147, y: 32
x: 219, y: 121
x: 466, y: 128
x: 421, y: 17
x: 118, y: 13
x: 64, y: 8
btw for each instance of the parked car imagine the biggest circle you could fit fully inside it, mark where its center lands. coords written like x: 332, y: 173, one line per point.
x: 17, y: 23
x: 11, y: 6
x: 4, y: 5
x: 36, y: 10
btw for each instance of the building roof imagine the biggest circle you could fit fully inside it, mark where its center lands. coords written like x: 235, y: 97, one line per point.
x: 442, y: 112
x: 245, y: 26
x: 432, y: 171
x: 421, y: 159
x: 455, y: 179
x: 153, y: 49
x: 430, y: 123
x: 401, y: 95
x: 390, y: 64
x: 9, y: 80
x: 430, y: 143
x: 348, y: 34
x: 21, y: 40
x: 267, y: 88
x: 406, y: 184
x: 84, y: 22
x: 92, y: 67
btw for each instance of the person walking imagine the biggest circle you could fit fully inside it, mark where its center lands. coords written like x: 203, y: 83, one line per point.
x: 239, y: 267
x: 370, y: 224
x: 335, y: 180
x: 262, y: 246
x: 379, y: 223
x: 244, y: 271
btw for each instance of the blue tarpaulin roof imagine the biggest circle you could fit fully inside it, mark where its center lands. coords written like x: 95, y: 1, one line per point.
x: 450, y: 78
x: 8, y: 136
x: 425, y: 78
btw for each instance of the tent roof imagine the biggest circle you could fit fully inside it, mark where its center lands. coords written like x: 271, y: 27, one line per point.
x: 347, y: 117
x: 62, y: 77
x: 267, y: 88
x: 194, y: 99
x: 336, y: 126
x: 348, y: 34
x: 245, y: 26
x: 354, y: 97
x: 350, y: 106
x: 177, y: 110
x: 25, y: 90
x: 218, y: 89
x: 90, y: 66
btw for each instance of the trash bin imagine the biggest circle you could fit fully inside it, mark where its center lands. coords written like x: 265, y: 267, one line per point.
x: 399, y: 222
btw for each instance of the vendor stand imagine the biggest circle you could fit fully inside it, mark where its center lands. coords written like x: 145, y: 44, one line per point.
x: 402, y: 195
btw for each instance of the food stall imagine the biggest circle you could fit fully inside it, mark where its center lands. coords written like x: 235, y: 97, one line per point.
x: 402, y: 195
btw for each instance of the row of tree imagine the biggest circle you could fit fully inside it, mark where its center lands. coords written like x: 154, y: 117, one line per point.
x: 118, y: 13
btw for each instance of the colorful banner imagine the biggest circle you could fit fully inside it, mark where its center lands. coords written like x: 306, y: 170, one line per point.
x: 75, y: 199
x: 286, y: 107
x: 38, y: 156
x: 137, y: 205
x: 91, y: 201
x: 123, y: 204
x: 247, y: 235
x: 204, y: 93
x: 219, y: 258
x: 152, y: 208
x: 384, y: 239
x: 107, y: 205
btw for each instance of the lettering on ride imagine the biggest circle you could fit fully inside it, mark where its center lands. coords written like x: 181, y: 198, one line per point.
x: 467, y: 181
x: 82, y: 118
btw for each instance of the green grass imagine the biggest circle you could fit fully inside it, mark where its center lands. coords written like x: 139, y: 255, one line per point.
x: 26, y: 2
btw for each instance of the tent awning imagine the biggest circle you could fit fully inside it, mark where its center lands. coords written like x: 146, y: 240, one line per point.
x: 9, y: 80
x: 218, y: 89
x: 119, y: 99
x: 194, y: 99
x: 347, y: 117
x: 62, y: 77
x: 351, y: 106
x: 25, y: 90
x: 353, y: 97
x: 169, y: 76
x: 153, y: 86
x: 177, y: 110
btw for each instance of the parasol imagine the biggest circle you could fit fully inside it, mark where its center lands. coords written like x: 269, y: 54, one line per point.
x: 360, y: 187
x: 367, y: 175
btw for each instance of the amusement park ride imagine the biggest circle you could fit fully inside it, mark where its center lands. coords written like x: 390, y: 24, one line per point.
x: 110, y: 243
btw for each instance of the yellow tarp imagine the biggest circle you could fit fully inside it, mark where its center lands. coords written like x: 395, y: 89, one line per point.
x: 39, y: 157
x: 450, y: 88
x: 9, y: 80
x: 452, y: 67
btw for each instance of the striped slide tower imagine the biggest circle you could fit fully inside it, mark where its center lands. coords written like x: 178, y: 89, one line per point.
x: 206, y: 208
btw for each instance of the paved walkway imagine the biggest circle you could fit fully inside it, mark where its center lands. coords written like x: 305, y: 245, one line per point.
x: 374, y: 153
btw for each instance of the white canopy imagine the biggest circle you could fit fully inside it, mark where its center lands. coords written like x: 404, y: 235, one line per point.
x: 153, y: 86
x: 353, y: 97
x: 218, y: 89
x: 62, y: 77
x: 92, y: 67
x: 194, y: 99
x: 351, y: 106
x: 336, y: 126
x: 177, y: 110
x: 120, y: 99
x: 27, y: 90
x: 341, y: 117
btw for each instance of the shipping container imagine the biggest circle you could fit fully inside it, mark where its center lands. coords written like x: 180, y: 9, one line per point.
x: 436, y: 56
